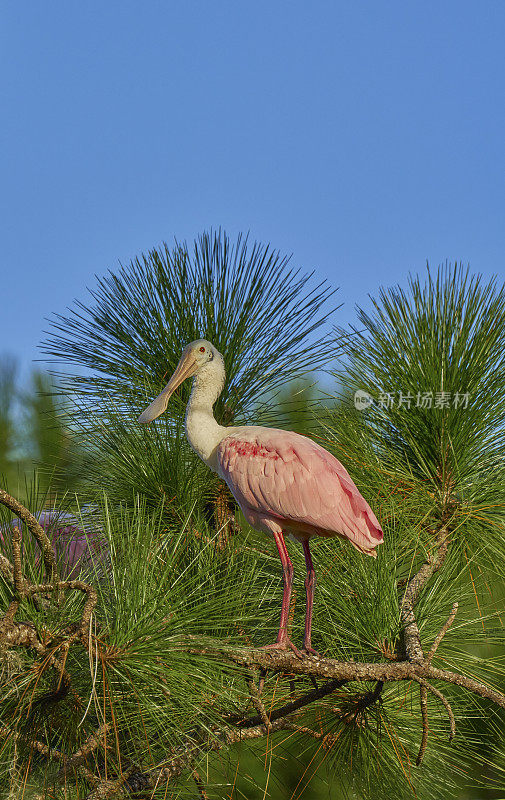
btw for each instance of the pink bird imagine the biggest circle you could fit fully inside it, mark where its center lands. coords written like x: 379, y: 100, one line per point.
x: 285, y: 483
x: 75, y: 549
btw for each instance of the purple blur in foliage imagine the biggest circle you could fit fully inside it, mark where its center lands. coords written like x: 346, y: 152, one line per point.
x: 74, y: 548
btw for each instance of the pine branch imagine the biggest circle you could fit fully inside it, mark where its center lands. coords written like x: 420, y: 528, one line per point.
x: 78, y: 758
x: 7, y: 569
x: 411, y: 635
x: 287, y: 663
x: 294, y: 705
x: 36, y: 529
x: 176, y: 763
x: 335, y: 674
x: 257, y: 701
x: 440, y: 635
x: 445, y: 703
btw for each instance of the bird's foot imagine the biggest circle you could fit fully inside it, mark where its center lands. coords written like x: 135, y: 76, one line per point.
x: 284, y: 644
x: 310, y: 651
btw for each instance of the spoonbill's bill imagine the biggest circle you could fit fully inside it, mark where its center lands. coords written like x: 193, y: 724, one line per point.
x: 283, y: 482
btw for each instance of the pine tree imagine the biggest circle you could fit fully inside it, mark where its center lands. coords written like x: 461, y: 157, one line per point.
x: 52, y: 444
x: 264, y: 316
x: 8, y: 373
x: 148, y: 674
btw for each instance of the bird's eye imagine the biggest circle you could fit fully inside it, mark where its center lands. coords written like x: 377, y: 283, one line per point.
x: 202, y: 349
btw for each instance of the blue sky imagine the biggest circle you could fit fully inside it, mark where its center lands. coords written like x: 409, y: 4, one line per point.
x: 363, y: 137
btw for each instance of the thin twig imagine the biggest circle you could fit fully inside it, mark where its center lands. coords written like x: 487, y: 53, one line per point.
x: 106, y: 789
x: 444, y: 700
x: 258, y: 703
x: 40, y: 747
x: 295, y: 705
x: 6, y: 569
x: 357, y: 704
x: 177, y: 762
x: 411, y: 635
x: 79, y: 757
x: 286, y: 662
x: 440, y: 635
x: 36, y: 529
x: 89, y: 605
x: 423, y: 699
x: 19, y: 581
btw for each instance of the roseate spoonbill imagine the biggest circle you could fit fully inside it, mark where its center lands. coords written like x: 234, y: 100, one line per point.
x: 284, y: 482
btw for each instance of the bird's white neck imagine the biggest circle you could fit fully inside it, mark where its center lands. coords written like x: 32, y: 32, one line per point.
x: 202, y: 431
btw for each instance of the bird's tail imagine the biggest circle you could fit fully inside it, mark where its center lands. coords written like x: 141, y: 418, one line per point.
x: 370, y: 534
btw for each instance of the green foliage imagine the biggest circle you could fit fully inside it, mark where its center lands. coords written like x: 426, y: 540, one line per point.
x: 54, y: 446
x: 142, y: 679
x: 8, y: 371
x: 444, y: 336
x: 154, y: 591
x: 357, y: 617
x: 255, y: 309
x: 266, y: 318
x: 167, y: 581
x: 296, y: 407
x: 420, y: 467
x: 35, y: 433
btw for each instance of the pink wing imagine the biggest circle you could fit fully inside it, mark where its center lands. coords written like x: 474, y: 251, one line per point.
x: 281, y: 476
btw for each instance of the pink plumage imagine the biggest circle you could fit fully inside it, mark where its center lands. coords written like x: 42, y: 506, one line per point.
x: 285, y: 482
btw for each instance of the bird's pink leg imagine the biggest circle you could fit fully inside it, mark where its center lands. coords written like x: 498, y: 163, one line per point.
x: 310, y: 585
x: 283, y: 641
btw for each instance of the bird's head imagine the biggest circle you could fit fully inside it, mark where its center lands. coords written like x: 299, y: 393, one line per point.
x: 196, y: 359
